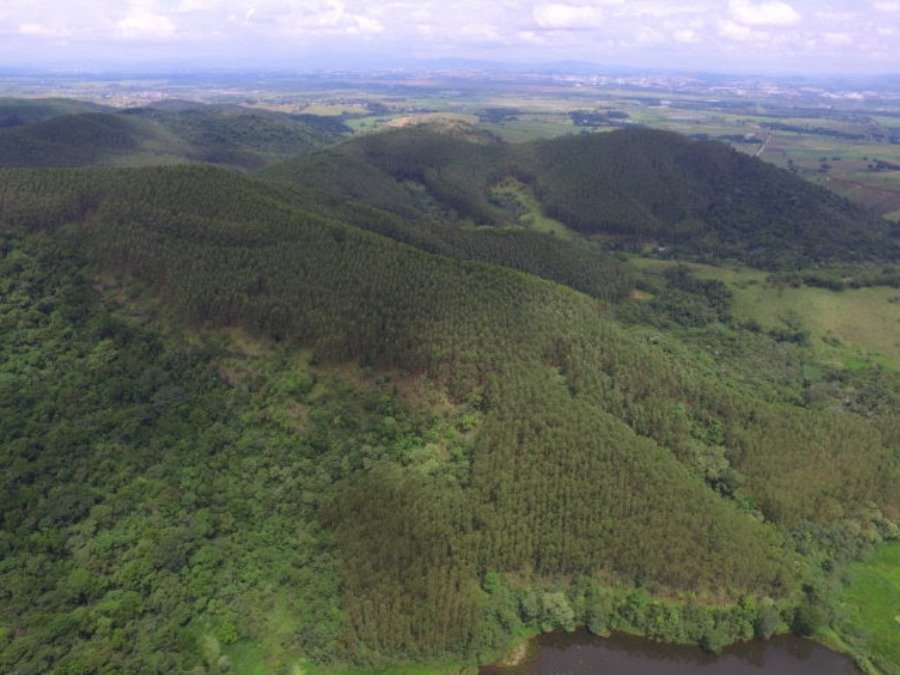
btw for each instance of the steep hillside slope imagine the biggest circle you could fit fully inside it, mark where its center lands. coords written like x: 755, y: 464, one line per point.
x: 585, y: 464
x: 335, y: 185
x: 702, y: 197
x: 698, y: 199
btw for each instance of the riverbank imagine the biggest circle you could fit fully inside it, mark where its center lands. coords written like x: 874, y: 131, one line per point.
x: 580, y: 653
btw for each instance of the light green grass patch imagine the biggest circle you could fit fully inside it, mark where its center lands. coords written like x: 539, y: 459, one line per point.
x: 361, y: 124
x: 736, y: 276
x: 523, y: 130
x: 246, y: 656
x: 872, y: 602
x: 850, y: 328
x: 326, y: 109
x: 533, y: 217
x: 270, y: 653
x: 855, y: 324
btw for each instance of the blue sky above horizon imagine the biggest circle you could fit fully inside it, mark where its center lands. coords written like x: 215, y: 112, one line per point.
x: 767, y: 36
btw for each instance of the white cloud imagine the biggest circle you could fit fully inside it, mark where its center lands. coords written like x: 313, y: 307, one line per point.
x: 892, y: 6
x: 567, y: 17
x: 661, y: 10
x: 311, y: 19
x: 481, y: 31
x: 841, y: 17
x: 735, y: 31
x: 685, y: 35
x: 646, y: 35
x: 767, y: 13
x: 533, y: 38
x: 838, y: 39
x: 144, y: 22
x: 188, y: 6
x: 362, y: 25
x: 41, y: 30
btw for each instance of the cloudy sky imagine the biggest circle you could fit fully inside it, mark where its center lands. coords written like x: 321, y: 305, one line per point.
x: 801, y: 36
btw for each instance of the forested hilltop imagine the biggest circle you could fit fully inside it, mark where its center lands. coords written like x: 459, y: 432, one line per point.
x: 698, y: 200
x: 59, y: 132
x: 361, y: 409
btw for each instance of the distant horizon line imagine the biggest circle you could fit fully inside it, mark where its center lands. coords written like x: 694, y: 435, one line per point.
x: 555, y: 67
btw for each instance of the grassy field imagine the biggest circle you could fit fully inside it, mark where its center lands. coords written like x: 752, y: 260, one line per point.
x: 846, y: 328
x: 533, y: 217
x: 736, y: 275
x: 432, y: 117
x: 328, y: 108
x: 388, y: 121
x: 531, y: 127
x: 363, y: 124
x: 872, y: 601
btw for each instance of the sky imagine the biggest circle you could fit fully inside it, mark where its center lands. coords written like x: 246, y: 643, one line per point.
x: 764, y: 36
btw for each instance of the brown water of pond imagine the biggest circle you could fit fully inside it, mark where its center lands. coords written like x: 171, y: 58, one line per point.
x: 581, y: 653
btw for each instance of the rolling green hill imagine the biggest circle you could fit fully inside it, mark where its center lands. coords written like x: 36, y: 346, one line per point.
x: 16, y: 112
x: 83, y: 139
x: 242, y: 137
x: 703, y: 198
x: 337, y: 186
x: 695, y: 199
x: 63, y: 133
x: 239, y: 424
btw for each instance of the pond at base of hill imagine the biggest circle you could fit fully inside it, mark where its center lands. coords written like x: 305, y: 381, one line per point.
x: 581, y: 653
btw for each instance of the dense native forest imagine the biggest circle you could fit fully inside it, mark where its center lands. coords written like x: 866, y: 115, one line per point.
x: 349, y: 410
